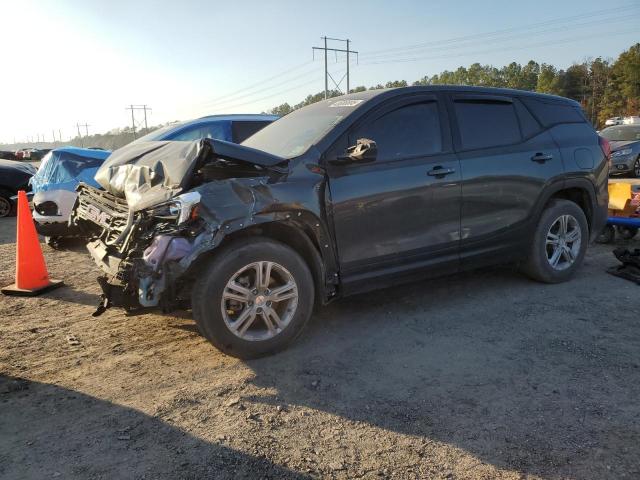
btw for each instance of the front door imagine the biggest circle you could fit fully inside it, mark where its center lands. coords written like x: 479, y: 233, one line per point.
x: 400, y: 212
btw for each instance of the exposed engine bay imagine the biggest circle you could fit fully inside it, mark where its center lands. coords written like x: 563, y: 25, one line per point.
x: 145, y: 232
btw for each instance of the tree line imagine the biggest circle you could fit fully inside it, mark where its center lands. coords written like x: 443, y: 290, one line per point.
x: 605, y: 88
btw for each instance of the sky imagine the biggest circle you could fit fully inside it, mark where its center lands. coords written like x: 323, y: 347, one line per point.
x: 65, y: 62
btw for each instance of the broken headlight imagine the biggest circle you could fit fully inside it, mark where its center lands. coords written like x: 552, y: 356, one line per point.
x: 180, y: 208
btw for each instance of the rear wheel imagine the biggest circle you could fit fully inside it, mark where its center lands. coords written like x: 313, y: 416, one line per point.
x: 559, y: 243
x: 254, y: 298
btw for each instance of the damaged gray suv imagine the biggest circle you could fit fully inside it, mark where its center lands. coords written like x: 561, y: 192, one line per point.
x: 349, y: 194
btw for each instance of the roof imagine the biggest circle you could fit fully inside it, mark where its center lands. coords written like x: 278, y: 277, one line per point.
x: 85, y: 152
x: 369, y: 94
x: 243, y: 117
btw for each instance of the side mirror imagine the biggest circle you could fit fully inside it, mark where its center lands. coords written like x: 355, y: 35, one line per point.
x: 364, y: 150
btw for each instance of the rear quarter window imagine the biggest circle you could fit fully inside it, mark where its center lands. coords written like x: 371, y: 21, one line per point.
x: 484, y: 123
x: 552, y: 113
x: 241, y: 130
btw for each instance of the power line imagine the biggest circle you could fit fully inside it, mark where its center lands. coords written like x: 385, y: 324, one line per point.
x: 257, y: 84
x: 503, y: 39
x: 499, y: 32
x: 228, y: 100
x: 511, y: 47
x: 283, y: 92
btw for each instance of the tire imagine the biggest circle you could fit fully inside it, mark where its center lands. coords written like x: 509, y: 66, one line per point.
x: 608, y: 235
x: 627, y: 233
x: 538, y: 265
x: 6, y: 205
x: 635, y: 173
x: 215, y: 315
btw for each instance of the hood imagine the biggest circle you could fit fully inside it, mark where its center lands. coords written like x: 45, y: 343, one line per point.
x: 149, y: 173
x: 620, y: 144
x: 25, y: 168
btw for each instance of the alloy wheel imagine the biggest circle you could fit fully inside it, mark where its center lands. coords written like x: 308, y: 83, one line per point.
x: 636, y: 168
x: 259, y: 301
x: 563, y: 242
x: 5, y: 207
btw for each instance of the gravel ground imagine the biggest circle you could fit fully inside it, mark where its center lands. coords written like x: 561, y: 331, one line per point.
x: 483, y: 375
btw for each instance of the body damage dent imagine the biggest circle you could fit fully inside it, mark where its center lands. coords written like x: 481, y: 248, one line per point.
x: 233, y: 205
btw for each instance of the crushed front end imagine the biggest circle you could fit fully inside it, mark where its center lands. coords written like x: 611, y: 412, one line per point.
x: 139, y: 252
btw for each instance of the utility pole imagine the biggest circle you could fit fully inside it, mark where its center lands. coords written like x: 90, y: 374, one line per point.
x: 133, y: 108
x: 327, y: 75
x: 80, y: 135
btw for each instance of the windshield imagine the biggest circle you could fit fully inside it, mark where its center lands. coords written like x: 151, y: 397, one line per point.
x: 296, y: 132
x: 622, y: 133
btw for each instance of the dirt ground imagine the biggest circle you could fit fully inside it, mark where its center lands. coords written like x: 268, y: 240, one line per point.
x: 484, y: 375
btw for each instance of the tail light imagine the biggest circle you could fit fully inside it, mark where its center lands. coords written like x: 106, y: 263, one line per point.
x: 606, y: 148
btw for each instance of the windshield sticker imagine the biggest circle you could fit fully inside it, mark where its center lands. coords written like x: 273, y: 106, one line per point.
x: 346, y: 103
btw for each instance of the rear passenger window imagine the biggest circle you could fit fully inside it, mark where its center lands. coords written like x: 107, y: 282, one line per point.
x: 241, y: 130
x: 486, y: 124
x: 406, y: 131
x: 552, y: 112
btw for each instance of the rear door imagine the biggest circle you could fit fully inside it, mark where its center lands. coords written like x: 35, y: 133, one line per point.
x: 401, y: 211
x: 506, y: 160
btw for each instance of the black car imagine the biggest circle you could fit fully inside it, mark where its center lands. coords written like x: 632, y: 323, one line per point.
x: 14, y: 176
x: 346, y: 195
x: 625, y: 149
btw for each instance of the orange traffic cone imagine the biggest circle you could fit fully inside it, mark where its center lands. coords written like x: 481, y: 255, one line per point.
x: 31, y: 271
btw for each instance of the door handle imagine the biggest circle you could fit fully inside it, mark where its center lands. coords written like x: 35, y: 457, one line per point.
x: 541, y: 157
x: 440, y: 172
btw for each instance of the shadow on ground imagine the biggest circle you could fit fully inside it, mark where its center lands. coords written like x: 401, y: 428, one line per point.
x: 518, y: 380
x: 48, y: 431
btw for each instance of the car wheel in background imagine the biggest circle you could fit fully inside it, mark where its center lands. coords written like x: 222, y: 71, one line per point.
x: 6, y: 205
x: 559, y: 243
x: 636, y: 168
x: 253, y: 298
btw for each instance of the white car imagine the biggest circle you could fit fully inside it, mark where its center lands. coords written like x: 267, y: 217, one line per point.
x: 631, y: 120
x: 613, y: 121
x: 54, y: 187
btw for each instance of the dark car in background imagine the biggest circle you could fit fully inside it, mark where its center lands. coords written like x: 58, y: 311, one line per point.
x: 14, y: 176
x: 346, y: 195
x: 625, y: 149
x: 231, y: 128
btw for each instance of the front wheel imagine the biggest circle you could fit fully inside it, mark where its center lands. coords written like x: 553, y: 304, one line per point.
x: 636, y: 168
x: 254, y: 298
x: 559, y: 243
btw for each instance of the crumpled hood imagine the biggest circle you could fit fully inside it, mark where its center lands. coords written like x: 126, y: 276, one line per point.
x: 150, y: 173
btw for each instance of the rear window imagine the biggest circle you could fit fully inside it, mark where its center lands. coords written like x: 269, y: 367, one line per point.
x: 241, y: 130
x: 552, y: 113
x: 484, y: 123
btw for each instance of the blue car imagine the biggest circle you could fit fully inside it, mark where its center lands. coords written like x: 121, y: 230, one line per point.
x: 231, y: 128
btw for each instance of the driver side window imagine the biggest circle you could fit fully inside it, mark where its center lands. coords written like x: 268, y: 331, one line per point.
x: 407, y: 131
